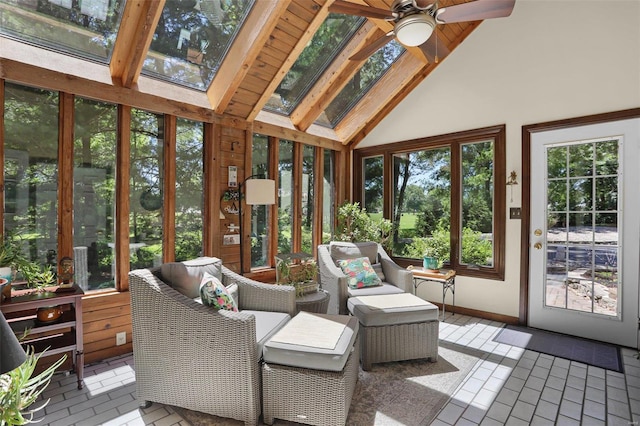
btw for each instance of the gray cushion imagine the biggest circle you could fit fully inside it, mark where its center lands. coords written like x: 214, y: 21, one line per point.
x: 345, y: 250
x: 391, y: 309
x: 314, y: 341
x: 385, y: 288
x: 267, y: 324
x: 186, y: 276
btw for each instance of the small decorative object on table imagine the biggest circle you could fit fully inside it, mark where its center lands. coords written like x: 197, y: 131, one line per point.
x: 299, y: 270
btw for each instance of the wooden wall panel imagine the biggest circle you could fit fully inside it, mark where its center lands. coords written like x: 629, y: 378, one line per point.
x: 104, y: 315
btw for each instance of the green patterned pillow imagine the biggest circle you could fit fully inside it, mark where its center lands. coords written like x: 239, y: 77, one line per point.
x: 215, y: 294
x: 359, y: 272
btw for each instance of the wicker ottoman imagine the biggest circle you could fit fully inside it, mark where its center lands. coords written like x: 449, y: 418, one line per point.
x: 310, y: 370
x: 395, y: 327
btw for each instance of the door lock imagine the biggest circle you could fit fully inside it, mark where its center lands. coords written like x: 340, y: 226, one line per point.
x: 537, y: 246
x: 537, y: 232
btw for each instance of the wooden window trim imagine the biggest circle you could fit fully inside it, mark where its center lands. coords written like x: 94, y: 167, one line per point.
x: 453, y: 140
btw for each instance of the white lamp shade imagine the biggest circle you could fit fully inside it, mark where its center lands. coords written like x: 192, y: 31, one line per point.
x: 413, y: 30
x: 260, y: 191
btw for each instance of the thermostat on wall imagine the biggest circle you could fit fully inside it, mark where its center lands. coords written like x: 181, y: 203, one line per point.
x: 233, y: 177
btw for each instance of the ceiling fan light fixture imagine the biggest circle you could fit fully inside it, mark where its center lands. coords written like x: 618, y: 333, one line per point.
x: 413, y: 30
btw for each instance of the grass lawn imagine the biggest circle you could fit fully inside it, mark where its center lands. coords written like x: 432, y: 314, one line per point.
x: 407, y: 221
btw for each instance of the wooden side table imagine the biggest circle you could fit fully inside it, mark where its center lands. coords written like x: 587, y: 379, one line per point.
x: 317, y: 302
x: 447, y: 278
x: 61, y: 336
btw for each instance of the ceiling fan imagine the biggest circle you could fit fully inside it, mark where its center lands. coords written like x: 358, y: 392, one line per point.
x: 415, y: 20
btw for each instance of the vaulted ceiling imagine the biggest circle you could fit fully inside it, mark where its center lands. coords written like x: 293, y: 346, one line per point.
x: 265, y: 48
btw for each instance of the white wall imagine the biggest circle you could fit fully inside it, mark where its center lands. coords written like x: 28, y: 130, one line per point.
x: 549, y: 60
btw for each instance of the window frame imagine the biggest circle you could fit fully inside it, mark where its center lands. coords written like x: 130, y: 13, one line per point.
x: 454, y: 141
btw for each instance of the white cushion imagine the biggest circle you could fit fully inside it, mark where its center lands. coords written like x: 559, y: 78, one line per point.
x: 391, y: 309
x: 186, y: 276
x: 315, y: 341
x: 267, y: 324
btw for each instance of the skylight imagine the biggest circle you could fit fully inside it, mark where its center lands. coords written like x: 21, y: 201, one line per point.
x: 326, y: 44
x: 372, y: 70
x: 86, y: 29
x: 192, y: 38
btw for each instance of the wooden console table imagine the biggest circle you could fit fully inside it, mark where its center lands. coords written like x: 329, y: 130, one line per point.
x: 447, y: 278
x: 61, y: 336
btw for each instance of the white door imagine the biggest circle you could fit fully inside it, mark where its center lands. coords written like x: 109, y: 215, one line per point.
x: 585, y: 231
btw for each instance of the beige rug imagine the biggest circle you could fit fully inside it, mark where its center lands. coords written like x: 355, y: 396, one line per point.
x: 396, y: 393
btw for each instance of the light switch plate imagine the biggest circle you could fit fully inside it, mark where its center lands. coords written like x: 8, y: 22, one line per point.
x: 515, y: 213
x: 233, y: 177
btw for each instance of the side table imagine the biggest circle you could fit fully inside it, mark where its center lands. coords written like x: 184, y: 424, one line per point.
x: 317, y: 302
x: 57, y: 337
x: 445, y: 277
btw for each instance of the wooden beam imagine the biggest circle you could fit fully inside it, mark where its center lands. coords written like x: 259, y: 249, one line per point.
x: 291, y: 58
x: 245, y: 49
x: 169, y: 189
x: 211, y: 219
x: 65, y: 172
x: 337, y: 74
x: 122, y: 198
x: 392, y: 82
x: 277, y: 125
x: 137, y: 27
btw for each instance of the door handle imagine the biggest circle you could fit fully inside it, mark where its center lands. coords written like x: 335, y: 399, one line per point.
x: 537, y: 246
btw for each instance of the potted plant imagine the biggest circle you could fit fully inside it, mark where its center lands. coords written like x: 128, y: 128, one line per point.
x: 19, y: 389
x: 36, y: 276
x: 299, y: 270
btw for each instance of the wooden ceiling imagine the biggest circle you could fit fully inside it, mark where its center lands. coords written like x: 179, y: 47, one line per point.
x: 275, y: 33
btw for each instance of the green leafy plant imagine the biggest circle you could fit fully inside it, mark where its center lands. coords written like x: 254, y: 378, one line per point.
x: 19, y: 389
x: 298, y: 273
x: 10, y: 253
x: 37, y: 277
x: 355, y: 224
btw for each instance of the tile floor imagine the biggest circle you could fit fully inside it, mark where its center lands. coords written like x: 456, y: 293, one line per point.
x: 508, y: 386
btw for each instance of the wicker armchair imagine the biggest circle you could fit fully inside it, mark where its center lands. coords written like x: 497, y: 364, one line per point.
x: 332, y: 279
x: 192, y: 356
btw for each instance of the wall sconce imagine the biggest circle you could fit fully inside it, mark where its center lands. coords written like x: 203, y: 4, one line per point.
x: 513, y: 180
x: 256, y: 192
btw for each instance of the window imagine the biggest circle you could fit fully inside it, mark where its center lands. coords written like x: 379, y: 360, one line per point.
x: 327, y: 42
x: 31, y: 171
x: 444, y: 198
x: 328, y: 197
x: 189, y: 209
x: 81, y: 28
x: 260, y: 217
x: 364, y: 79
x: 94, y: 201
x: 192, y: 38
x: 146, y: 189
x: 307, y: 197
x: 285, y: 196
x: 373, y: 191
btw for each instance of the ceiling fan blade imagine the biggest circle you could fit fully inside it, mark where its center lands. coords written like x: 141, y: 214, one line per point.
x: 475, y: 11
x: 372, y: 48
x: 348, y: 8
x: 434, y: 48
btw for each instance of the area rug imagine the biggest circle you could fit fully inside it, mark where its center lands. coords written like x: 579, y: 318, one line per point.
x: 589, y: 352
x: 396, y: 393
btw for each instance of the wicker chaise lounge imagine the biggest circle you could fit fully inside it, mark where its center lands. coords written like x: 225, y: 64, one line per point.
x: 192, y: 356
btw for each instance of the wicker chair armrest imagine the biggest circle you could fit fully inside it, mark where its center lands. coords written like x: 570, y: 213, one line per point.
x: 259, y: 296
x: 394, y: 273
x: 333, y: 280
